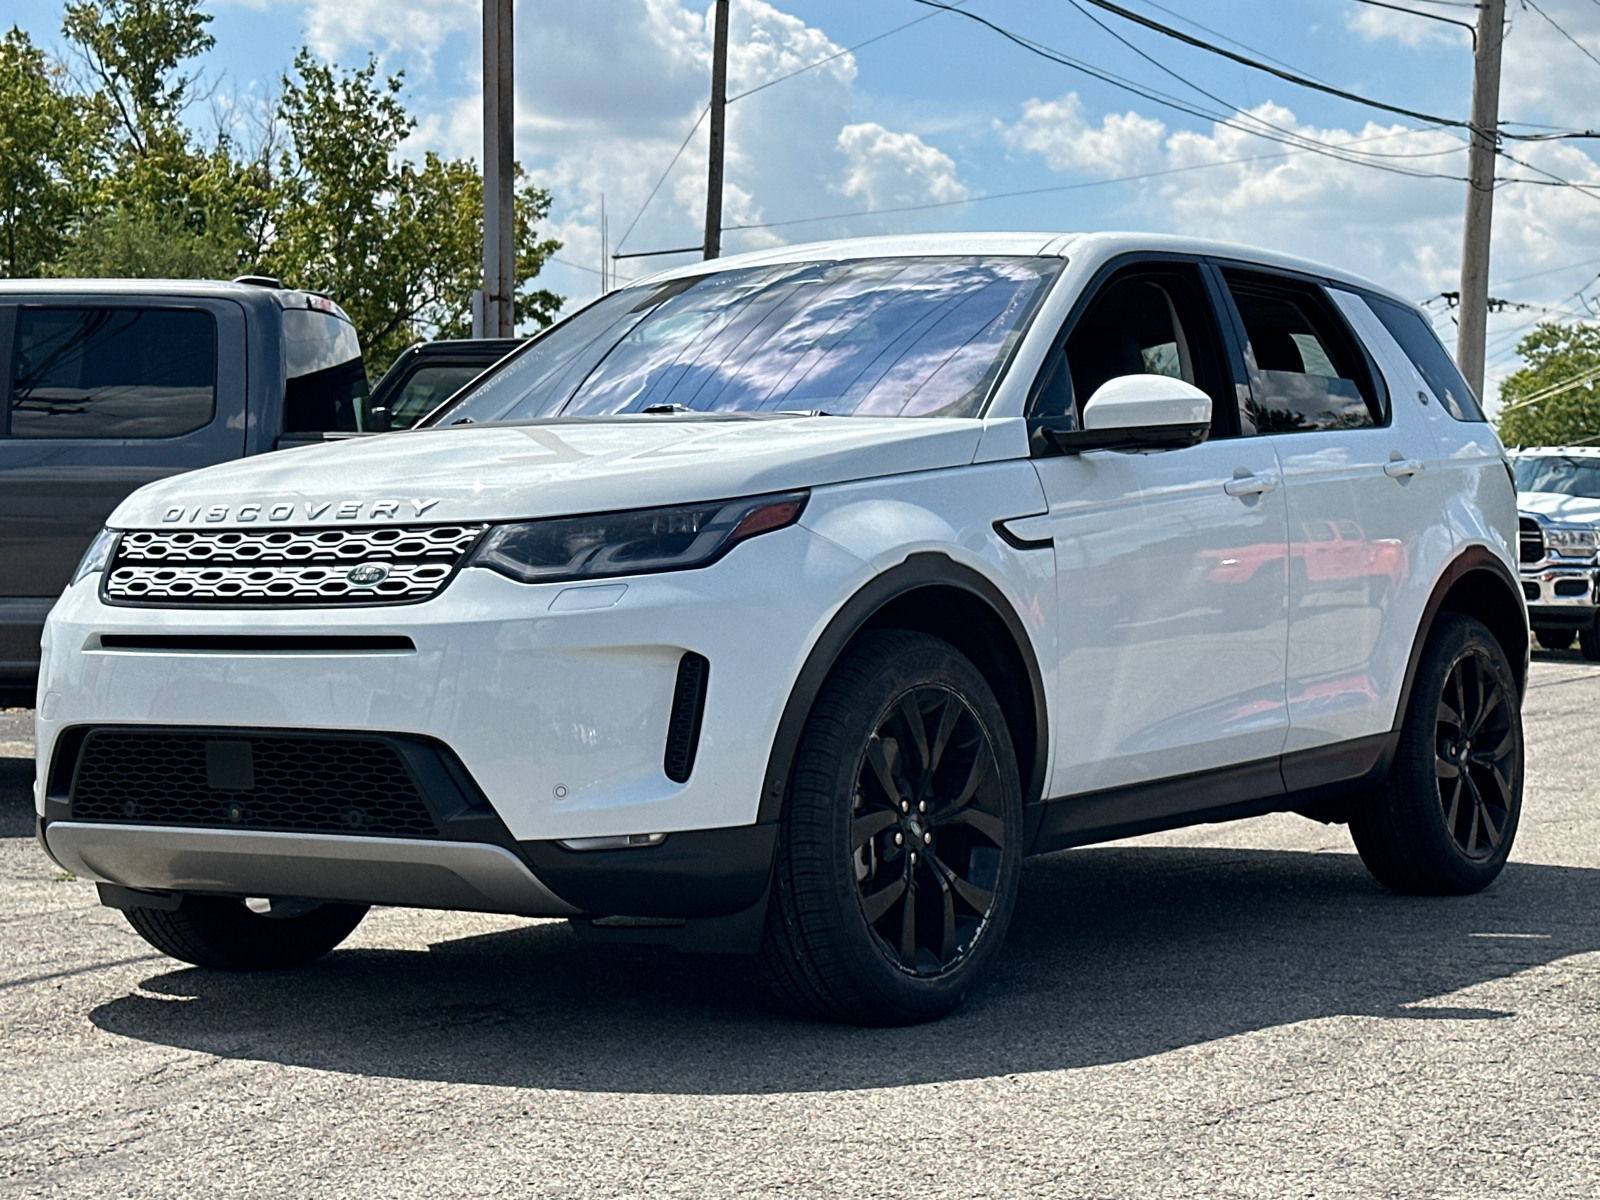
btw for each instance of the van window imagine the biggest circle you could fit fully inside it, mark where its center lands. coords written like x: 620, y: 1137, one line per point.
x: 326, y: 379
x: 113, y: 372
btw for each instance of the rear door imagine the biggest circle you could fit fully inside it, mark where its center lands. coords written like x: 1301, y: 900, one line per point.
x: 1365, y: 510
x: 1171, y: 565
x: 101, y: 398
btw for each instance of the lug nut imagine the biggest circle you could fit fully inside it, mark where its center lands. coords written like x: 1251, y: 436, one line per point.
x: 913, y: 858
x: 905, y: 806
x: 922, y: 806
x: 898, y: 838
x: 927, y: 839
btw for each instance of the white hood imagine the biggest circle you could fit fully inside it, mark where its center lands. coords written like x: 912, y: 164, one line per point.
x: 512, y: 472
x: 1554, y: 506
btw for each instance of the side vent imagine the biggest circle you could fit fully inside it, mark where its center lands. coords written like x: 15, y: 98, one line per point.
x: 688, y: 706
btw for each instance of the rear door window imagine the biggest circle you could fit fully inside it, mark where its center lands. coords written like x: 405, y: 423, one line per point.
x: 1306, y: 372
x: 112, y: 373
x: 1432, y: 360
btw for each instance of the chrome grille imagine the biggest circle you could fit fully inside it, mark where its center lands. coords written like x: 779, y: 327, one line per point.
x: 1530, y: 541
x: 286, y: 566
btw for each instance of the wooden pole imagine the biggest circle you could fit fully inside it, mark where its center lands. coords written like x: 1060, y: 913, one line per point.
x: 1480, y: 193
x: 719, y: 103
x: 499, y: 174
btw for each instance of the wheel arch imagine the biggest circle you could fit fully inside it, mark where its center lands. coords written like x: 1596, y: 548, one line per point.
x: 929, y: 593
x: 1476, y: 584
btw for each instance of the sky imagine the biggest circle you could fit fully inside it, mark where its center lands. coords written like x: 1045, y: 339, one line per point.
x: 949, y: 119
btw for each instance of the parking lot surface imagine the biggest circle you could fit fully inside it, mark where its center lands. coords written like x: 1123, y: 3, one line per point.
x: 1234, y: 1010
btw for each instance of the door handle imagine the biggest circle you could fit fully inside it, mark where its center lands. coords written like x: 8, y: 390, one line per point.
x: 1402, y: 468
x: 1249, y: 485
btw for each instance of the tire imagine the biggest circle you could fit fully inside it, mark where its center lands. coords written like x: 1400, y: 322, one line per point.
x: 1588, y: 644
x: 221, y: 933
x: 1556, y: 639
x: 1443, y: 822
x: 861, y: 929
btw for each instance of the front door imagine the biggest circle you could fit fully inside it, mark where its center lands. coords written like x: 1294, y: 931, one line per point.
x: 1172, y: 565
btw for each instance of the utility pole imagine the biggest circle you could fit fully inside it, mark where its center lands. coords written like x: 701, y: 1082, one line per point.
x: 499, y: 175
x: 1480, y: 193
x: 719, y: 104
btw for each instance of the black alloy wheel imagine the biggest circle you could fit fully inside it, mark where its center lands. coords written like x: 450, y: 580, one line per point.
x: 1443, y: 821
x: 1478, y: 743
x: 900, y: 844
x: 928, y: 830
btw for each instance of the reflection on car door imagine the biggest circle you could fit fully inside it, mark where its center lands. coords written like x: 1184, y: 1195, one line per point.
x: 1358, y: 488
x: 1172, y: 565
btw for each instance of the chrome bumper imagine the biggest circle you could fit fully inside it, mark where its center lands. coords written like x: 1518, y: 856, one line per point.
x: 470, y: 876
x: 1560, y: 587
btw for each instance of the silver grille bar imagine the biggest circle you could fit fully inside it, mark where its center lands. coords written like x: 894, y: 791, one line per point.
x: 269, y: 567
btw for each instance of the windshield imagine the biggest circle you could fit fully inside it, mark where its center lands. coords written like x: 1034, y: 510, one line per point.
x: 909, y: 337
x: 1566, y: 476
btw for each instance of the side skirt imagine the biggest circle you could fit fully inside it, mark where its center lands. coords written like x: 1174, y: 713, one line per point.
x: 1315, y: 783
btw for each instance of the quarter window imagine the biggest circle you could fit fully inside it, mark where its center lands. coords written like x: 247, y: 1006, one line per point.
x: 1432, y: 360
x: 1306, y: 373
x: 112, y: 372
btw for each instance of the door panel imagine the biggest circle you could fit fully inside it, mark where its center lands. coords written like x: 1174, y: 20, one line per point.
x: 1365, y: 511
x: 1173, y: 612
x: 56, y: 492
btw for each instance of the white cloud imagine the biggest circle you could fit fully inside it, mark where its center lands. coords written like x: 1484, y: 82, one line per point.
x: 1123, y: 143
x: 888, y: 169
x: 1375, y: 24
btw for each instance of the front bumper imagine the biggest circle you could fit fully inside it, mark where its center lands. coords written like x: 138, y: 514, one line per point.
x: 474, y: 876
x: 557, y: 699
x: 1560, y: 595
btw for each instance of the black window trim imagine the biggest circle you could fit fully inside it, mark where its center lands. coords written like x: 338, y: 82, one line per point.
x: 8, y: 332
x: 1322, y: 283
x: 1039, y: 440
x: 141, y: 303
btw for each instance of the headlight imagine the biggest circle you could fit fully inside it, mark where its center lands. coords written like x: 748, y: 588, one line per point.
x: 632, y: 543
x: 97, y: 556
x: 1582, y: 540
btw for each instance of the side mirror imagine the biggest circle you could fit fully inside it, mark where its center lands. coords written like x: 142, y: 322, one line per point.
x: 1140, y: 412
x: 378, y: 420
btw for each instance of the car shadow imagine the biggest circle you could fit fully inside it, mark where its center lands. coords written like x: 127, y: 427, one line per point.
x: 1115, y: 953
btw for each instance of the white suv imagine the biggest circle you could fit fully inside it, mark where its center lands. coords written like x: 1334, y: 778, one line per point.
x: 786, y: 602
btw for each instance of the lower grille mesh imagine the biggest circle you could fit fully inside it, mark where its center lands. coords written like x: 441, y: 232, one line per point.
x: 688, y: 707
x: 348, y: 785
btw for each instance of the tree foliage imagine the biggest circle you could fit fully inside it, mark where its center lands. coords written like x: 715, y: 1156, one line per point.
x: 100, y: 175
x: 1555, y: 399
x: 44, y: 132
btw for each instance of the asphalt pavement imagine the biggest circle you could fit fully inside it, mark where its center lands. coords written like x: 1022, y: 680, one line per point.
x: 1233, y: 1010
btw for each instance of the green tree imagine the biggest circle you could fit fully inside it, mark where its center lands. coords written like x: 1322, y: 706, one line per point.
x: 163, y: 204
x: 43, y: 131
x: 397, y: 243
x: 1555, y: 399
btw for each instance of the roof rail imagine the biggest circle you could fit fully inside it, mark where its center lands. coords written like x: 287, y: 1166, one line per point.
x: 266, y: 281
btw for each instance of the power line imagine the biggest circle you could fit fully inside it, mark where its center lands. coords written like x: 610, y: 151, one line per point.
x: 1060, y: 187
x: 1293, y: 138
x: 1429, y: 16
x: 1581, y: 47
x: 1166, y: 99
x: 752, y: 91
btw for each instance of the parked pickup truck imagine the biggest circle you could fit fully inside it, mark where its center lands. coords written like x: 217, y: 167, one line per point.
x: 1558, y: 510
x: 111, y: 384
